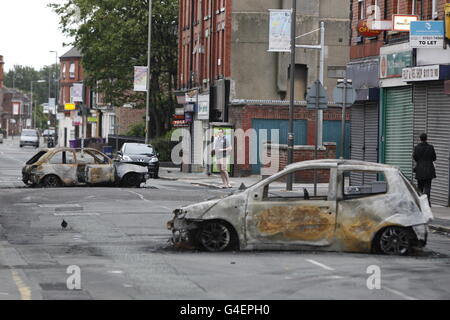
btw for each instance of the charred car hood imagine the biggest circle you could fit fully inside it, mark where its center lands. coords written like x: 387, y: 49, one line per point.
x: 197, y: 210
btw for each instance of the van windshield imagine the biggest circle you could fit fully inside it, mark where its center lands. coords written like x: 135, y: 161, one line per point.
x: 29, y: 133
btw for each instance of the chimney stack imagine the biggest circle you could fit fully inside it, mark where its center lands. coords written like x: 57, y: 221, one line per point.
x: 2, y: 76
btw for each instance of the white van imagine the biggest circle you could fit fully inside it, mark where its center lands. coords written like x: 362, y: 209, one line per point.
x: 29, y: 137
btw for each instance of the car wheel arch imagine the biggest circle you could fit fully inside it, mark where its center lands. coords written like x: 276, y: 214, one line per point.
x: 61, y: 181
x: 236, y: 240
x: 374, y: 244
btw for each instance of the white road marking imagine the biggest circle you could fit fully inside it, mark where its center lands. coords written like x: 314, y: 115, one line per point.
x: 59, y: 205
x: 399, y: 293
x: 116, y: 272
x: 4, y: 294
x: 139, y: 195
x: 73, y: 214
x: 320, y: 264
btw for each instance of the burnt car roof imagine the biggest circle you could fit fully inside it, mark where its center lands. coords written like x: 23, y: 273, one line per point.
x: 341, y: 162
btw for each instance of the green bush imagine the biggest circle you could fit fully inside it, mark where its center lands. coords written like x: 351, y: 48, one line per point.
x: 164, y: 147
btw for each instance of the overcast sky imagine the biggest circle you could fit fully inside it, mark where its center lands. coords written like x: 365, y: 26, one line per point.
x: 28, y: 31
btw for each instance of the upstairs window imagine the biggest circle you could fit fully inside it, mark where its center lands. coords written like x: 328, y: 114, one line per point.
x: 63, y: 71
x: 72, y: 70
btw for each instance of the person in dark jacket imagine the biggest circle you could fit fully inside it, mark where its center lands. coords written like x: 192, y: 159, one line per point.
x: 424, y: 155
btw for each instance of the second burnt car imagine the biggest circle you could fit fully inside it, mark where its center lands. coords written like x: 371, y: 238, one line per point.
x: 354, y: 207
x: 72, y: 167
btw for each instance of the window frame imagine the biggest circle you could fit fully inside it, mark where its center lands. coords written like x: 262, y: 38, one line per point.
x: 365, y: 195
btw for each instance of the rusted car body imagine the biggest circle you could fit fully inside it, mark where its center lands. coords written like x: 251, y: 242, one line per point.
x: 392, y: 218
x: 72, y: 167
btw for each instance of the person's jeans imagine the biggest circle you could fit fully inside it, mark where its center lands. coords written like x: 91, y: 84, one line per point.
x: 425, y: 188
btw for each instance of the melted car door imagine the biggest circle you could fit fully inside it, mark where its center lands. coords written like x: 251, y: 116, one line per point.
x: 63, y: 164
x: 99, y: 170
x: 304, y: 215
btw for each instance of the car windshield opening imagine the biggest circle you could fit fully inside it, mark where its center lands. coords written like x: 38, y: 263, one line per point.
x: 36, y: 157
x: 139, y: 149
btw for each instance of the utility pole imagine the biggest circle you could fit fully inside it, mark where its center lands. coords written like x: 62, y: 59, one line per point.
x: 149, y: 51
x: 291, y: 136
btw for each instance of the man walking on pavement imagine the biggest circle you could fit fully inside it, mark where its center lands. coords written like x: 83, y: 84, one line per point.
x: 424, y: 155
x: 221, y: 150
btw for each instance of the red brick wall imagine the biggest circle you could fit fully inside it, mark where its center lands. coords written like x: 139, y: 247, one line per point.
x: 197, y: 53
x: 305, y: 154
x: 128, y: 117
x: 242, y: 116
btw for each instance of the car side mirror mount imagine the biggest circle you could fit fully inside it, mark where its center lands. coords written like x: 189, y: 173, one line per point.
x: 119, y: 153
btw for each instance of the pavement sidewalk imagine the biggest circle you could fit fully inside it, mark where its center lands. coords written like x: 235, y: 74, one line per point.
x: 440, y: 223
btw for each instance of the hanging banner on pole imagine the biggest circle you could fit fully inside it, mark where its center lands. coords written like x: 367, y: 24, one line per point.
x: 77, y: 92
x: 140, y: 79
x: 280, y: 30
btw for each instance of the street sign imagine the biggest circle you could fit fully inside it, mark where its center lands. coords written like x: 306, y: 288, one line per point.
x: 317, y: 96
x: 350, y: 94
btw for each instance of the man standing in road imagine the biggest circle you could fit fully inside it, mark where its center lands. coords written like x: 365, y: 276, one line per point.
x: 424, y: 155
x: 222, y: 147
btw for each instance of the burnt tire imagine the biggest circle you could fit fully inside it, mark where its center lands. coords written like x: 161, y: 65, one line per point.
x: 51, y: 181
x: 394, y: 241
x: 216, y: 236
x: 131, y: 180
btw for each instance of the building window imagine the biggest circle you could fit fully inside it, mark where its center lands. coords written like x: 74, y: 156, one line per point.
x: 72, y: 70
x: 63, y: 71
x: 361, y: 9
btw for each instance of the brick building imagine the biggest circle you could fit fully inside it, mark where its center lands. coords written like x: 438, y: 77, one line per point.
x: 224, y: 59
x: 392, y: 108
x: 15, y: 108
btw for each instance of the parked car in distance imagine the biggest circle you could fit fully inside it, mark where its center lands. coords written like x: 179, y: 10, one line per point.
x: 48, y: 132
x: 140, y: 154
x: 60, y: 167
x: 355, y: 207
x: 29, y: 137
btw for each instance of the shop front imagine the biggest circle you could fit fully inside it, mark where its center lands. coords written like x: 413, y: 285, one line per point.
x: 431, y: 95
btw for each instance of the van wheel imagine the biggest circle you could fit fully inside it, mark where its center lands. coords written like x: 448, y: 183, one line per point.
x: 394, y: 241
x: 51, y: 181
x: 216, y: 236
x: 131, y: 180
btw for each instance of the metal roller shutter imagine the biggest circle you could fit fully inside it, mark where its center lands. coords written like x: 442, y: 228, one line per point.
x: 420, y: 111
x: 399, y: 128
x: 439, y: 135
x: 364, y: 137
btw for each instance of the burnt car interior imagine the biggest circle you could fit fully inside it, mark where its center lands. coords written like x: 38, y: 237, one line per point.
x: 359, y: 184
x: 302, y: 186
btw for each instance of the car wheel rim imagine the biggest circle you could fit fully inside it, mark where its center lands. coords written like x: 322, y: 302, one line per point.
x: 215, y: 237
x: 52, y: 182
x: 395, y: 241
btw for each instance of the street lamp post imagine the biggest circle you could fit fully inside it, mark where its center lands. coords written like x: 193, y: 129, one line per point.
x: 33, y: 116
x: 56, y: 93
x: 149, y: 50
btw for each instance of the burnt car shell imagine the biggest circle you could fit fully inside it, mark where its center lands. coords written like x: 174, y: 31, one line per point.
x: 76, y: 172
x: 353, y: 228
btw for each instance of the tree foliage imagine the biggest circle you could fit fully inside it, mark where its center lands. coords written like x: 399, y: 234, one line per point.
x: 112, y: 36
x: 20, y: 77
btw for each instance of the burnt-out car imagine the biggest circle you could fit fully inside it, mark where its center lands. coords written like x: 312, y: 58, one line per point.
x: 333, y: 205
x: 72, y: 167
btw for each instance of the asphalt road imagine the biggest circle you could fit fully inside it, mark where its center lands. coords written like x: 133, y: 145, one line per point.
x: 118, y: 239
